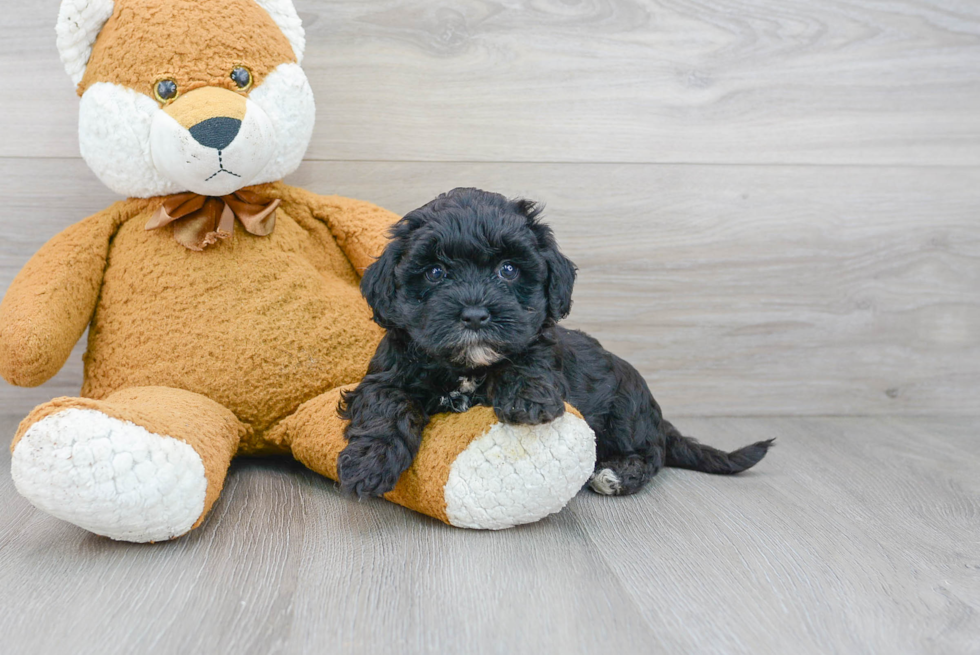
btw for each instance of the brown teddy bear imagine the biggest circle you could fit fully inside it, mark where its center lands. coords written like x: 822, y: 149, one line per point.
x: 223, y: 306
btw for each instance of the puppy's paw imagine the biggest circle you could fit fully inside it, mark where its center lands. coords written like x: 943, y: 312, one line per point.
x: 372, y: 466
x: 523, y: 410
x: 625, y: 475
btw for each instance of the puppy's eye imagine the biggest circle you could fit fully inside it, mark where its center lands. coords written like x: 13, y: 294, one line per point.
x: 241, y: 77
x: 165, y: 90
x: 435, y: 274
x: 508, y: 271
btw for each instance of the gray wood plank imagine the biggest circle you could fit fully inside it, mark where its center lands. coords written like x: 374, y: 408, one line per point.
x: 285, y: 564
x: 771, y: 81
x: 854, y: 535
x: 736, y: 290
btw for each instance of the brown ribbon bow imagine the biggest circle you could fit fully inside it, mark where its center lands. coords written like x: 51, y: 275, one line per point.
x: 200, y: 220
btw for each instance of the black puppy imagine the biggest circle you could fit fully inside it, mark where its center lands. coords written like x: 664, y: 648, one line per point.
x: 470, y: 289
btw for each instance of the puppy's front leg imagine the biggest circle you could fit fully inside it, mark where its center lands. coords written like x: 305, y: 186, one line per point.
x: 527, y: 395
x: 383, y: 437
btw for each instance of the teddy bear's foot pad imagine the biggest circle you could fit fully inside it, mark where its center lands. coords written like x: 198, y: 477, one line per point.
x: 109, y: 476
x: 516, y: 474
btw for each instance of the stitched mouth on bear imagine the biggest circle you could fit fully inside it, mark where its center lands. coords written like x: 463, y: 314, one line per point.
x: 221, y: 169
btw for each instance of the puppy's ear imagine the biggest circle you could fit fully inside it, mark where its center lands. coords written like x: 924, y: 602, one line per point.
x: 561, y: 279
x: 561, y: 270
x: 378, y: 284
x: 529, y: 208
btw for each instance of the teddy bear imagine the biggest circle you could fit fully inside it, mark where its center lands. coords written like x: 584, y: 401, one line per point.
x: 222, y: 306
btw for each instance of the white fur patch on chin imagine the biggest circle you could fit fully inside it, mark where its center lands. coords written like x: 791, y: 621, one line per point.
x: 480, y: 355
x: 287, y: 99
x: 114, y: 138
x: 111, y: 477
x: 517, y: 474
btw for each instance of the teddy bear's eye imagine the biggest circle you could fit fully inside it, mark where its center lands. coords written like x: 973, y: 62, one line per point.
x: 241, y: 77
x: 165, y: 90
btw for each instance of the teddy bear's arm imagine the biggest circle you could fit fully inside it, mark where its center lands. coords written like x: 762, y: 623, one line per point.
x: 51, y: 301
x: 360, y: 228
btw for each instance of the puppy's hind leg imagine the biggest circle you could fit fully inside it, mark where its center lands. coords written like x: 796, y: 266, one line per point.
x: 624, y: 475
x: 630, y: 443
x: 634, y: 441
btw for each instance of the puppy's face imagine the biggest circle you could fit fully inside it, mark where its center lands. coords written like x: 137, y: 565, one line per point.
x: 471, y: 276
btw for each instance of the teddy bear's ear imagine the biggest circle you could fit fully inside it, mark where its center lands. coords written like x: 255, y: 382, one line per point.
x: 79, y: 23
x: 284, y: 14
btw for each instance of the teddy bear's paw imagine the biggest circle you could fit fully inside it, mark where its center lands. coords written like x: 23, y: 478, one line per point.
x: 111, y: 477
x: 517, y: 474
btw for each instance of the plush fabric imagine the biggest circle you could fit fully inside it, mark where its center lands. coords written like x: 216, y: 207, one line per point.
x: 258, y: 324
x: 231, y: 32
x: 112, y: 477
x: 200, y: 349
x: 79, y: 22
x: 115, y: 124
x: 211, y: 430
x: 130, y: 140
x: 293, y: 120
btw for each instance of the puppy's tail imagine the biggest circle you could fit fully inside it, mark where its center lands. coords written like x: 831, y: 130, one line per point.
x: 686, y: 453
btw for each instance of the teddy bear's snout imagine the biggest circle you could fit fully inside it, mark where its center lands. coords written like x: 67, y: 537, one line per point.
x: 211, y: 141
x: 212, y: 115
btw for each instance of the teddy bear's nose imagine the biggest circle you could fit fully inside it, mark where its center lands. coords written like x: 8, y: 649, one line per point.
x: 216, y: 132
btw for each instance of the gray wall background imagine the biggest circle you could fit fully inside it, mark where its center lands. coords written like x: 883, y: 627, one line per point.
x: 775, y: 204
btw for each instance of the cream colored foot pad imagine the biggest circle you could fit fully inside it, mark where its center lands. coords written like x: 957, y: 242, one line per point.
x: 111, y: 477
x: 517, y: 474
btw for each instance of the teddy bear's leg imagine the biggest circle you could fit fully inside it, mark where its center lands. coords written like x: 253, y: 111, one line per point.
x: 471, y: 471
x: 144, y: 464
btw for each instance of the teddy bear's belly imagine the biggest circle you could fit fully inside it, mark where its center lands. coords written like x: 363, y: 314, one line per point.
x: 250, y: 322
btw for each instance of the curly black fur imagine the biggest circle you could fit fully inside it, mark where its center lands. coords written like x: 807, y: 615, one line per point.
x: 470, y: 289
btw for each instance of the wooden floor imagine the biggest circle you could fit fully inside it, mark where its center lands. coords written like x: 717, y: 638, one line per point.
x: 856, y: 535
x: 775, y: 210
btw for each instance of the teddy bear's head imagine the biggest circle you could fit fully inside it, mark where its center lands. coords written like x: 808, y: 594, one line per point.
x: 187, y: 95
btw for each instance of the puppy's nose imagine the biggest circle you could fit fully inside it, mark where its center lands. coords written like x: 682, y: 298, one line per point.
x: 475, y: 317
x: 216, y: 132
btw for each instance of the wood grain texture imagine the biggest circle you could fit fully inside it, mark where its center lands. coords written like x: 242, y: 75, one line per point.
x: 736, y: 290
x: 745, y: 286
x: 762, y: 81
x: 854, y: 535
